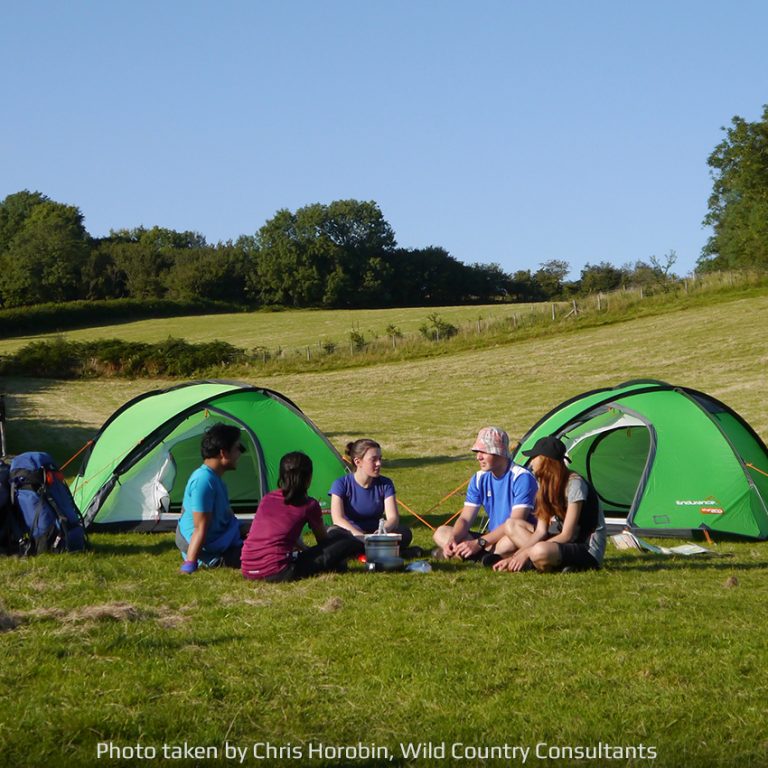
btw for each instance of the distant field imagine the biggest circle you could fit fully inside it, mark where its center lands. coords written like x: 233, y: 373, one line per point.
x: 669, y: 653
x: 289, y: 329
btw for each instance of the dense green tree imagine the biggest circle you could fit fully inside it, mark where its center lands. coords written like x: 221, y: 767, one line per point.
x: 324, y: 255
x: 550, y: 277
x: 209, y: 273
x: 14, y: 211
x: 140, y: 268
x: 487, y: 283
x: 641, y: 274
x: 142, y: 259
x: 101, y: 277
x: 738, y: 205
x: 601, y: 277
x: 43, y: 260
x: 289, y: 270
x: 358, y: 228
x: 524, y: 287
x: 427, y: 276
x: 160, y: 239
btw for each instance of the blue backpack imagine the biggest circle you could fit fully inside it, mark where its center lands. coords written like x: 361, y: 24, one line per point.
x: 46, y: 512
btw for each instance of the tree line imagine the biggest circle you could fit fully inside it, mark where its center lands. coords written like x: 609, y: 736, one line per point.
x: 339, y: 255
x: 344, y: 254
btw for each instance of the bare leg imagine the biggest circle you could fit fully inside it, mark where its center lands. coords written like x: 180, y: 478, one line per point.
x: 545, y: 556
x: 519, y: 533
x: 442, y: 535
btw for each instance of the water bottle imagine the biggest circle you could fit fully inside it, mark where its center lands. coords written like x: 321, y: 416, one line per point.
x: 419, y: 566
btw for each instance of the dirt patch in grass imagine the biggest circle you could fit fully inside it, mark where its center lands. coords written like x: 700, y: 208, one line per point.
x: 41, y: 614
x: 332, y: 604
x: 109, y: 611
x: 120, y: 611
x: 169, y: 619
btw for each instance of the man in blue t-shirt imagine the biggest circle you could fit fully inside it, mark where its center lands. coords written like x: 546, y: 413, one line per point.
x: 208, y: 532
x: 503, y: 489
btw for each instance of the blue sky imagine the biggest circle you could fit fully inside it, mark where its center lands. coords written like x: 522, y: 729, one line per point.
x: 509, y: 132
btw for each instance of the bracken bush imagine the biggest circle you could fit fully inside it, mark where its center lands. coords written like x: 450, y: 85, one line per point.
x: 59, y: 358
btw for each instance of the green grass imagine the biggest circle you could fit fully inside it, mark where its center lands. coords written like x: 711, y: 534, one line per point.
x: 658, y: 652
x: 667, y: 652
x: 290, y: 329
x: 270, y: 344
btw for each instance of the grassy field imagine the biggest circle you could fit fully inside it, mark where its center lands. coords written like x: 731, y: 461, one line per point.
x: 115, y: 648
x: 295, y: 329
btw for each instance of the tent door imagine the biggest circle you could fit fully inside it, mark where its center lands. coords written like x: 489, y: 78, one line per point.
x: 614, y: 458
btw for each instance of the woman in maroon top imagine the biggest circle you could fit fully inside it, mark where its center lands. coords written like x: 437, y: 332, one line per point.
x: 269, y: 551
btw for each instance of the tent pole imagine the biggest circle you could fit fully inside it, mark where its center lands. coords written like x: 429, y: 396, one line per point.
x: 2, y: 425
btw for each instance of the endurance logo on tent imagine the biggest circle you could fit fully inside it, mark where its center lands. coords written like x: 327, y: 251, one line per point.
x: 664, y: 459
x: 709, y: 506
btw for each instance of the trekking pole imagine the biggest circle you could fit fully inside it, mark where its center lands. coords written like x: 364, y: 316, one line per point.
x: 2, y: 425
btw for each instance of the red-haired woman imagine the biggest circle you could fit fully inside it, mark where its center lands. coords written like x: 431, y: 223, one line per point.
x: 570, y: 529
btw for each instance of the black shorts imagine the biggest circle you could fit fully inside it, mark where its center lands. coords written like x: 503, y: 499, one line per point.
x: 577, y: 556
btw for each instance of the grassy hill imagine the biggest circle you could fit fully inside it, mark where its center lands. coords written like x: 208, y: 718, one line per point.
x: 287, y: 329
x: 659, y: 652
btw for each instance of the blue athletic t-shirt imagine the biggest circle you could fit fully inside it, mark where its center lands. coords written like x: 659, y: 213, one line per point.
x: 205, y: 492
x: 497, y: 495
x: 363, y: 506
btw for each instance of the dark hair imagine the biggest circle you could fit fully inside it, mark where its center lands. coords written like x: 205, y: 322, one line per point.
x: 358, y: 448
x: 219, y: 437
x: 295, y: 477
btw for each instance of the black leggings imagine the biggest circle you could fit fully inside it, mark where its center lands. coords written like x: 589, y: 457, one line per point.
x: 405, y: 533
x: 329, y: 555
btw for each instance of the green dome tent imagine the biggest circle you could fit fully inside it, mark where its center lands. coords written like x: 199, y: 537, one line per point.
x: 134, y: 474
x: 665, y: 460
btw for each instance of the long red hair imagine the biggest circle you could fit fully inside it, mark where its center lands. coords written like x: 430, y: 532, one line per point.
x: 552, y: 475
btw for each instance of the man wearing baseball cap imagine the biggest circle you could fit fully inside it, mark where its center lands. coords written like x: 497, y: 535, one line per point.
x: 503, y: 488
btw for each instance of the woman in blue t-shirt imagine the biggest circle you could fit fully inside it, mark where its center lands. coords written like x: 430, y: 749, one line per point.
x: 360, y: 499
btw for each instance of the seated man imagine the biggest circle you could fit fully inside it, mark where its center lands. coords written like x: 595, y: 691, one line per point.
x: 208, y: 532
x: 504, y: 489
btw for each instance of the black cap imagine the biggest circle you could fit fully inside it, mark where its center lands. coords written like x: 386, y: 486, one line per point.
x: 552, y: 447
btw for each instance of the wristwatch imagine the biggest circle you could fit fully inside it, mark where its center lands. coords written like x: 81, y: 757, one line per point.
x: 482, y: 542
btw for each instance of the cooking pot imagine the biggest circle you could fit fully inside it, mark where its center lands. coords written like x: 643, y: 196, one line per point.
x: 381, y: 547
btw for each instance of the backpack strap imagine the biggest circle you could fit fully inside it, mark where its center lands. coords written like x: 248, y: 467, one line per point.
x: 28, y: 479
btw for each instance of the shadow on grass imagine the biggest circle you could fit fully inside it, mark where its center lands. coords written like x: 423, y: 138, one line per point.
x: 154, y: 544
x: 425, y: 461
x: 435, y: 519
x: 722, y: 562
x: 28, y: 431
x: 453, y: 566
